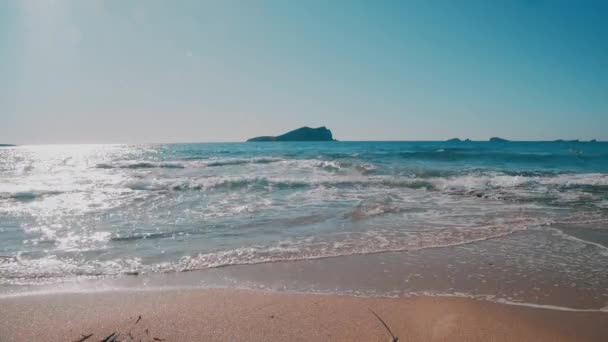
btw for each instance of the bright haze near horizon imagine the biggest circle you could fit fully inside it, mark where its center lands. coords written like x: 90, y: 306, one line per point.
x: 189, y: 71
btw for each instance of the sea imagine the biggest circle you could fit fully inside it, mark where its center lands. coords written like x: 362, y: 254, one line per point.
x: 517, y: 222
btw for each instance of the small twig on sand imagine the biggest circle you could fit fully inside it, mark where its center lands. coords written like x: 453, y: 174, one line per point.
x: 158, y: 339
x: 393, y: 337
x: 111, y: 338
x: 138, y: 319
x: 84, y: 338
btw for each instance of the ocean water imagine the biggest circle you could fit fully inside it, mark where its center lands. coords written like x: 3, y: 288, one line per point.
x: 98, y: 211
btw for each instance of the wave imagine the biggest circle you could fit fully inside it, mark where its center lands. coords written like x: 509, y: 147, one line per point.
x: 22, y: 270
x: 571, y: 189
x: 589, y: 179
x: 293, y: 164
x: 565, y: 188
x: 449, y: 154
x: 603, y: 250
x: 370, y: 208
x: 201, y: 163
x: 266, y: 183
x: 582, y: 220
x: 501, y: 181
x: 139, y: 165
x: 145, y: 236
x: 214, y: 183
x: 335, y: 170
x: 499, y: 300
x: 25, y: 196
x: 240, y: 161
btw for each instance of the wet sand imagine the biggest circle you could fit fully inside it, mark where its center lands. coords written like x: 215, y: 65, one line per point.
x: 245, y: 315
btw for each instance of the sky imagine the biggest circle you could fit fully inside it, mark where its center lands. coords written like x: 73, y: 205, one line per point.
x: 191, y: 71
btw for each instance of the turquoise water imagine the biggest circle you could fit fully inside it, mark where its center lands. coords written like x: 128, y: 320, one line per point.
x: 74, y: 211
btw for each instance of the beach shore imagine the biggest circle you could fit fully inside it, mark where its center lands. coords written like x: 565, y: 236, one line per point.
x: 245, y: 315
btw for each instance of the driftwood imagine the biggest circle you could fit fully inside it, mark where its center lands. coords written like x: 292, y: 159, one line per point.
x: 111, y: 338
x: 84, y: 338
x: 393, y: 337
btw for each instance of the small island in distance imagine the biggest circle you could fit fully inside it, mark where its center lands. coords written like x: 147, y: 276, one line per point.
x: 493, y: 139
x: 300, y: 134
x: 7, y: 145
x: 458, y: 140
x: 502, y: 140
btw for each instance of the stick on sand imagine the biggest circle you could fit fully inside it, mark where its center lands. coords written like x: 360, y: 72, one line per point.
x: 393, y: 337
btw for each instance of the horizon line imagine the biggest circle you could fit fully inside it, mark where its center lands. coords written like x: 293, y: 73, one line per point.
x: 318, y: 141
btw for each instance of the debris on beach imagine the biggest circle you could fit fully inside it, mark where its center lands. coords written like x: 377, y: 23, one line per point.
x: 393, y: 337
x: 111, y: 338
x: 84, y: 338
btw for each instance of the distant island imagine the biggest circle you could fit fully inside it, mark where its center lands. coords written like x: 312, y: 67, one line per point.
x: 300, y: 134
x: 7, y: 145
x: 570, y: 141
x: 502, y: 140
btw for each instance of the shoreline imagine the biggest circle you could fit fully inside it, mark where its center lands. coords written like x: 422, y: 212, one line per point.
x: 234, y: 314
x: 489, y: 270
x: 489, y: 298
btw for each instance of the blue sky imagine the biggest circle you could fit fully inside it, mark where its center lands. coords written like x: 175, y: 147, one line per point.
x: 178, y: 71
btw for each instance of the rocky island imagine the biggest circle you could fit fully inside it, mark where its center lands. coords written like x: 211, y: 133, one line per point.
x: 300, y: 134
x: 7, y: 145
x: 497, y: 139
x: 567, y: 141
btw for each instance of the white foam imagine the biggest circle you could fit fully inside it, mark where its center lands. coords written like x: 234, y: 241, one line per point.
x: 603, y: 250
x: 32, y: 270
x: 484, y: 181
x: 593, y: 179
x: 495, y: 299
x: 240, y: 161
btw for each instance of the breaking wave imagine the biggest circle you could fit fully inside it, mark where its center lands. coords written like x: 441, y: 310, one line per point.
x: 463, y: 183
x: 139, y: 165
x: 28, y: 195
x: 456, y: 154
x: 237, y: 161
x: 23, y: 270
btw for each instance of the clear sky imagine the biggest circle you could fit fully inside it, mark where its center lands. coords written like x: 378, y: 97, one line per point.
x: 180, y: 71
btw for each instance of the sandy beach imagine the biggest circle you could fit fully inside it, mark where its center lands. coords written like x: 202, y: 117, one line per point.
x: 245, y: 315
x: 303, y: 171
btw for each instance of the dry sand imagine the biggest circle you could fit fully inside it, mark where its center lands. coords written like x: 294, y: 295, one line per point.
x: 241, y: 315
